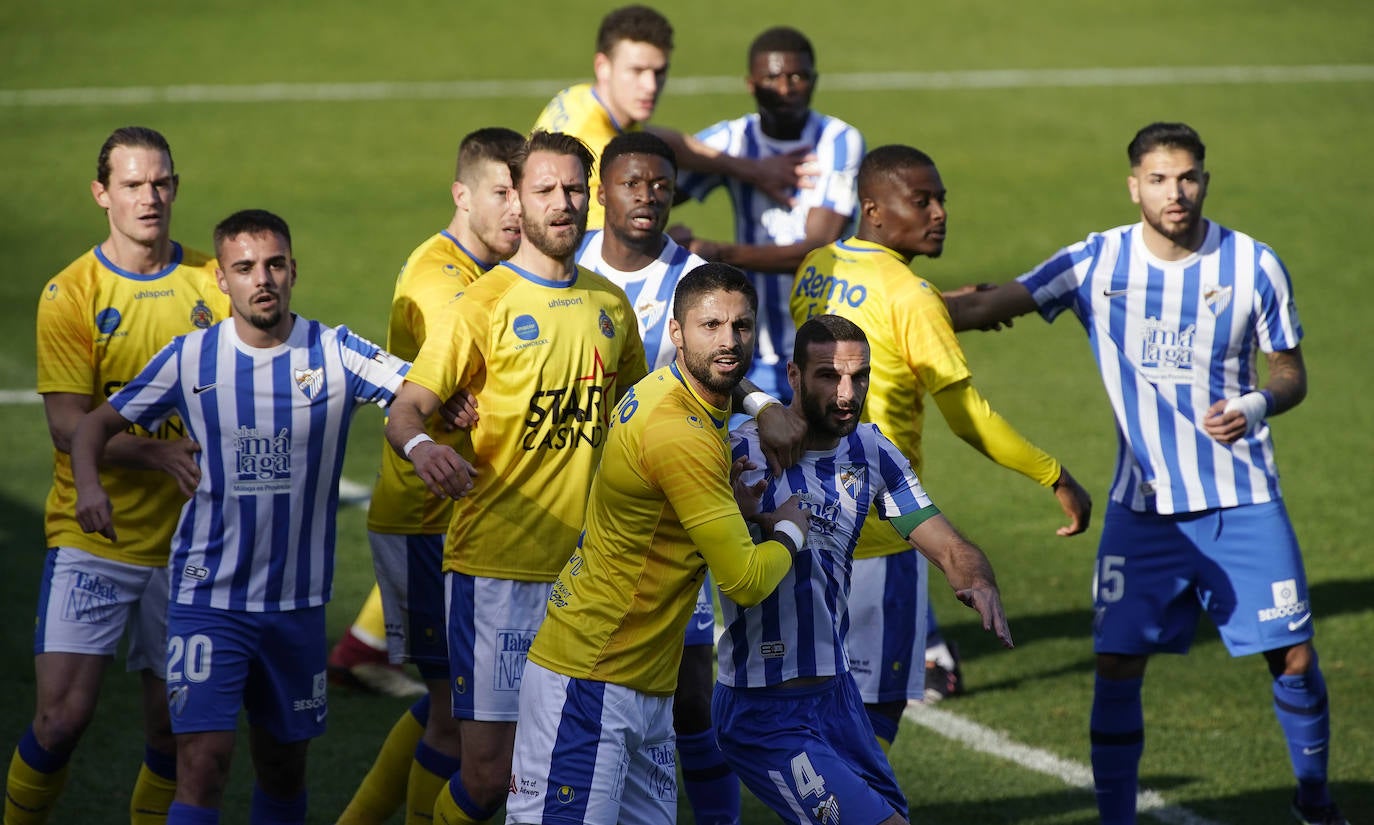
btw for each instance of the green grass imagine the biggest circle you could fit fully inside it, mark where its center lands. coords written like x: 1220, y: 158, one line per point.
x: 1028, y: 170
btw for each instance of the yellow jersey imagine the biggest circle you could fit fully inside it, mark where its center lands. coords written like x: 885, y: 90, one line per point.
x: 434, y: 275
x: 98, y: 325
x: 912, y: 344
x: 661, y: 511
x: 578, y: 111
x: 546, y: 361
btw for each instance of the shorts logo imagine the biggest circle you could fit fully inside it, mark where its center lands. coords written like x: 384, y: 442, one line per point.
x: 309, y: 382
x: 662, y: 778
x: 512, y: 649
x: 460, y: 685
x: 319, y: 697
x: 1286, y: 602
x: 201, y: 316
x: 828, y: 812
x: 566, y: 794
x: 107, y: 320
x: 91, y: 599
x: 606, y: 325
x: 177, y: 696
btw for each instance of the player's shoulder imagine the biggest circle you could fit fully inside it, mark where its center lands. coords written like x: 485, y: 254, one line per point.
x: 832, y: 125
x: 195, y: 259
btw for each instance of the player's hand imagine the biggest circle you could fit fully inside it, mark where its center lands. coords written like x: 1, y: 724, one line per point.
x: 985, y: 598
x: 94, y: 512
x: 178, y: 459
x: 706, y: 250
x: 747, y: 496
x: 681, y: 235
x: 782, y: 436
x: 1075, y: 502
x: 442, y: 470
x: 952, y: 297
x: 459, y: 412
x: 792, y: 510
x: 780, y: 176
x: 1225, y: 427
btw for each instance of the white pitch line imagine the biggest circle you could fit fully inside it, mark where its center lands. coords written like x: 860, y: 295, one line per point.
x: 1077, y: 775
x: 701, y: 85
x: 16, y: 397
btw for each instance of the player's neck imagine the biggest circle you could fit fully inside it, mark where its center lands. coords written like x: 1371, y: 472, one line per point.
x: 135, y: 256
x: 469, y: 241
x: 720, y: 401
x: 1170, y: 249
x: 630, y: 256
x: 815, y: 441
x: 535, y: 262
x: 779, y: 129
x: 255, y: 336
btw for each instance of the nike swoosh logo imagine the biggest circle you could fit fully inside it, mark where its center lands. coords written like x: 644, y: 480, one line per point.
x: 704, y: 625
x: 203, y: 387
x: 1114, y: 293
x: 1300, y: 622
x: 1311, y: 751
x: 320, y: 715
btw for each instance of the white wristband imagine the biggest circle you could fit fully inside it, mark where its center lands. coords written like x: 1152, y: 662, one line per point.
x: 793, y: 532
x: 1252, y: 405
x: 755, y: 401
x: 414, y: 442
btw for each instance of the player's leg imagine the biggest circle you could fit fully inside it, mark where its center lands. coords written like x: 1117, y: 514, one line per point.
x: 491, y: 623
x: 1144, y: 602
x: 359, y: 658
x: 886, y: 641
x: 1259, y: 601
x: 279, y: 795
x: 157, y: 777
x: 83, y: 607
x: 944, y: 675
x: 573, y: 748
x: 808, y: 752
x: 711, y: 787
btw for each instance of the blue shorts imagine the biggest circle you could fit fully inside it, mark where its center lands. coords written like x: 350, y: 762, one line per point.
x: 701, y: 627
x: 272, y: 664
x: 808, y: 753
x: 411, y: 583
x: 1156, y: 573
x: 886, y: 641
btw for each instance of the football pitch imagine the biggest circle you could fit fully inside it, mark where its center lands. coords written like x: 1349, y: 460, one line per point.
x: 344, y: 118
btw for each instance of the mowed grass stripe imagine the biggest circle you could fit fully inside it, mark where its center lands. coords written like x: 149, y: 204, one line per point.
x: 995, y: 743
x: 851, y: 81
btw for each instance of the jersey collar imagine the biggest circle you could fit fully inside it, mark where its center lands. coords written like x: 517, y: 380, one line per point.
x: 136, y: 276
x: 855, y: 244
x: 481, y: 264
x: 718, y: 416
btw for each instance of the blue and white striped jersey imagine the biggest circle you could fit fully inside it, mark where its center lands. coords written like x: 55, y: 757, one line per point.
x: 650, y: 291
x: 799, y: 629
x: 839, y: 150
x: 258, y: 535
x: 1171, y: 338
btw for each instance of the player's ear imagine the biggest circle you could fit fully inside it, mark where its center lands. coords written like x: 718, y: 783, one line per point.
x: 176, y: 187
x: 794, y: 378
x: 868, y: 208
x: 601, y: 68
x: 293, y: 272
x: 101, y: 194
x: 1133, y: 186
x: 460, y: 194
x: 221, y: 281
x: 675, y: 332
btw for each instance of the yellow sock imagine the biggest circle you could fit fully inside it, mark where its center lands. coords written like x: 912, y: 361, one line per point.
x: 448, y: 812
x: 429, y: 774
x: 370, y: 624
x: 384, y: 788
x: 885, y: 744
x: 29, y: 792
x: 152, y: 797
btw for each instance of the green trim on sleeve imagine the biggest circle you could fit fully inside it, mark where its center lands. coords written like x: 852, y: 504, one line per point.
x: 907, y: 522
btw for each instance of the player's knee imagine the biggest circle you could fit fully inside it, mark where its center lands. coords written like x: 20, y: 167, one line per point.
x: 202, y: 771
x: 58, y: 726
x: 1290, y: 661
x: 487, y: 783
x: 691, y: 712
x: 1118, y: 667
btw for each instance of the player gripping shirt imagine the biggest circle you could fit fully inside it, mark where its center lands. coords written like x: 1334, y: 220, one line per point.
x: 798, y: 632
x: 839, y: 149
x: 578, y: 111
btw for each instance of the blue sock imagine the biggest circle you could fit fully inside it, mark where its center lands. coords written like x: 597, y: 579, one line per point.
x: 712, y: 788
x: 439, y: 764
x: 420, y: 710
x: 182, y: 814
x: 1300, y: 704
x: 38, y: 757
x: 162, y: 764
x: 883, y: 727
x: 269, y: 810
x: 1117, y: 731
x: 469, y: 805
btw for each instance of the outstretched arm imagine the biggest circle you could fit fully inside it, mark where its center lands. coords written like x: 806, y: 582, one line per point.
x: 972, y: 419
x: 778, y: 176
x: 823, y: 226
x: 1230, y: 418
x: 980, y: 308
x: 966, y: 568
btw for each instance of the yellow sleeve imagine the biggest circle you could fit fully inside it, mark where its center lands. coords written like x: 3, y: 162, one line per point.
x: 926, y: 337
x: 746, y: 572
x: 971, y: 418
x: 66, y: 362
x: 451, y: 357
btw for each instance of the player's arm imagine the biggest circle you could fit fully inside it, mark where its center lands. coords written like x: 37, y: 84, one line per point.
x: 778, y: 176
x: 965, y: 566
x: 975, y: 422
x: 823, y: 226
x: 175, y: 457
x: 782, y: 431
x: 96, y: 429
x: 439, y: 466
x: 980, y: 308
x: 745, y: 571
x: 1230, y: 418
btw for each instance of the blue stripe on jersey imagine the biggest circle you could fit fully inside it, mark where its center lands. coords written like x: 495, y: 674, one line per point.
x: 246, y: 414
x: 308, y: 578
x: 278, y: 546
x: 584, y: 704
x: 211, y: 468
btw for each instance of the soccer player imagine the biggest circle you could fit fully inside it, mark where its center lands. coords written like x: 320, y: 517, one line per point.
x: 792, y: 722
x: 867, y: 279
x: 99, y: 320
x: 595, y: 741
x: 633, y: 46
x: 406, y: 523
x: 1176, y: 308
x: 546, y: 348
x: 268, y: 396
x: 772, y: 239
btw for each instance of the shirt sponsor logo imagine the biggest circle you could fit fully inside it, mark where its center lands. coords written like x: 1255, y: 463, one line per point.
x: 525, y: 328
x: 91, y: 599
x: 262, y: 461
x: 564, y: 418
x: 107, y: 320
x: 512, y: 649
x: 1166, y: 353
x: 834, y: 291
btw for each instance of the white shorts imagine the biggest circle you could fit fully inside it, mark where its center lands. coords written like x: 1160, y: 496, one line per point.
x: 86, y: 602
x: 591, y: 752
x: 491, y: 623
x: 887, y: 627
x: 411, y: 582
